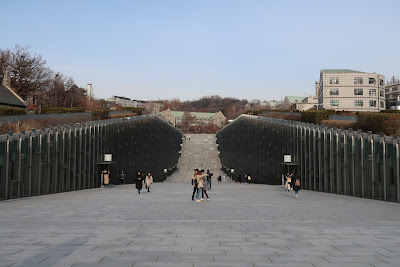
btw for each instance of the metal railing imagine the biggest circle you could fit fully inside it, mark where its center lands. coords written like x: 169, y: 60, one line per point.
x: 66, y: 158
x: 328, y: 159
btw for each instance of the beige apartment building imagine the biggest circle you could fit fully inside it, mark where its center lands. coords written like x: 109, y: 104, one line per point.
x: 350, y: 90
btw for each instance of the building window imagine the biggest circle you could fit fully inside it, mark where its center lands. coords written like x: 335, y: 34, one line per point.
x: 334, y: 103
x: 334, y: 80
x: 358, y: 80
x: 381, y: 93
x: 372, y: 103
x: 334, y: 91
x: 358, y: 91
x: 387, y: 90
x: 372, y: 81
x: 358, y: 103
x: 393, y: 89
x: 381, y: 82
x: 382, y: 104
x: 372, y: 91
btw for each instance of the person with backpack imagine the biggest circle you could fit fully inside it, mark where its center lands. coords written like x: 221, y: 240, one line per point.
x: 122, y: 177
x: 296, y: 182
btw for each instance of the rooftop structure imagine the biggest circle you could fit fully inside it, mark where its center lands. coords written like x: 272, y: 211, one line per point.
x: 7, y: 96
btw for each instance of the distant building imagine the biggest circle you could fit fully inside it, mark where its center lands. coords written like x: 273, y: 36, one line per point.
x: 199, y: 118
x: 391, y: 95
x: 123, y: 101
x: 288, y: 101
x: 350, y: 90
x: 8, y: 97
x: 273, y: 104
x: 306, y: 104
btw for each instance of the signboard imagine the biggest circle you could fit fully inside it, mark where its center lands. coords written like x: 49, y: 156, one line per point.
x: 287, y: 158
x: 107, y: 157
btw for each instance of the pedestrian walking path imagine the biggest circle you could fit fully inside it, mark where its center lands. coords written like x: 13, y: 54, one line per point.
x: 241, y: 225
x: 199, y: 151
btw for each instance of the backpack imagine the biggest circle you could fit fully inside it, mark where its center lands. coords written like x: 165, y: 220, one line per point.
x: 297, y: 182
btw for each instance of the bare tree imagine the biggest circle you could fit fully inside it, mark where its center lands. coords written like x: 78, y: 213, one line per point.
x: 152, y: 107
x: 187, y: 120
x: 28, y: 73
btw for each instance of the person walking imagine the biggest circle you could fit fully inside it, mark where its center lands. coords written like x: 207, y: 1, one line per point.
x: 240, y: 178
x: 148, y: 181
x: 288, y: 182
x: 139, y: 181
x: 249, y: 178
x: 296, y: 182
x: 122, y: 177
x: 200, y: 185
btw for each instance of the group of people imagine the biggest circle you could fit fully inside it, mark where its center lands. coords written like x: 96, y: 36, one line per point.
x: 247, y: 178
x: 292, y: 183
x: 201, y: 183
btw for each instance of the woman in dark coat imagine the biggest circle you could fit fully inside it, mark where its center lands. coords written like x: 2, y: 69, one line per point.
x: 296, y: 183
x: 139, y: 181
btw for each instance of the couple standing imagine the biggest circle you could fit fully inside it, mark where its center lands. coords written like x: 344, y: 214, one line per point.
x: 198, y: 182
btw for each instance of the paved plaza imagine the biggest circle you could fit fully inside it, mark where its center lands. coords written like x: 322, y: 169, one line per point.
x: 241, y: 225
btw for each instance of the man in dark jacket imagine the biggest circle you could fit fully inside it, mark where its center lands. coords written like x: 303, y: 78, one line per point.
x: 139, y: 181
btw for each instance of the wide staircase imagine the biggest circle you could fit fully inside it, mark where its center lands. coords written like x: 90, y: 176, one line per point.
x: 198, y: 151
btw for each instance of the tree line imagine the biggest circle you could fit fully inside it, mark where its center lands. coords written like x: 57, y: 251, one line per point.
x: 40, y: 86
x: 229, y: 106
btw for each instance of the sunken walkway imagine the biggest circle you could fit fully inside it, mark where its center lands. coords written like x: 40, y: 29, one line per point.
x: 241, y: 225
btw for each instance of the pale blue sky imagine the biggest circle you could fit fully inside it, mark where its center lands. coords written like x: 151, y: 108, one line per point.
x: 158, y: 49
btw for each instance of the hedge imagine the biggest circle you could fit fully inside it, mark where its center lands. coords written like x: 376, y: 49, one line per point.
x: 138, y: 111
x: 100, y: 114
x: 9, y: 111
x: 390, y: 111
x: 53, y: 110
x: 316, y: 116
x: 388, y: 123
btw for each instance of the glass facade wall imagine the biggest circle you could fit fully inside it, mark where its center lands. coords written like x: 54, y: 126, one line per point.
x: 66, y: 158
x: 328, y: 159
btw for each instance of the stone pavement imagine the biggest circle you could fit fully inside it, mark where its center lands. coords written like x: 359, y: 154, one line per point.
x: 242, y: 225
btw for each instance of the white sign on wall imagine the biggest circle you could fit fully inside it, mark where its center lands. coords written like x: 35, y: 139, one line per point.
x: 287, y: 158
x: 107, y: 157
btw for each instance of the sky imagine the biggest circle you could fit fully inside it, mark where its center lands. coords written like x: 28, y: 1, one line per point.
x: 187, y: 49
